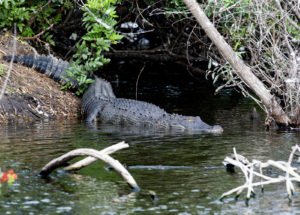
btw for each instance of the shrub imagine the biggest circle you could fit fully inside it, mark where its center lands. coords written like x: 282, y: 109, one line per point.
x: 99, y: 21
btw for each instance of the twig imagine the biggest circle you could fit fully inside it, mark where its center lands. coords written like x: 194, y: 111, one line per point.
x: 270, y: 47
x: 275, y: 180
x: 287, y: 15
x: 141, y: 14
x: 95, y: 17
x: 137, y: 81
x: 294, y: 8
x: 39, y: 34
x: 250, y: 172
x: 10, y: 63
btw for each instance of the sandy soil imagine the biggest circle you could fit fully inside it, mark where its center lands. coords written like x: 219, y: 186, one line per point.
x: 30, y: 95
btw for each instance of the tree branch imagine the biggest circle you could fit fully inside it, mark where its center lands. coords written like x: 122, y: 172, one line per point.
x: 89, y: 160
x: 119, y: 168
x: 243, y: 71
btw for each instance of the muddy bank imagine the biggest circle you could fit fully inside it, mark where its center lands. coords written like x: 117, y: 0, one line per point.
x: 30, y: 95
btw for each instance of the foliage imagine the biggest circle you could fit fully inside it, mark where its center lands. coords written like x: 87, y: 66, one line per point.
x: 15, y: 11
x: 31, y: 17
x: 176, y: 7
x: 2, y: 69
x: 216, y: 71
x: 99, y: 20
x: 35, y: 17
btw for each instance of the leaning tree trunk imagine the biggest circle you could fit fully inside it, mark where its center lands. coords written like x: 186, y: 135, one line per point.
x: 243, y: 71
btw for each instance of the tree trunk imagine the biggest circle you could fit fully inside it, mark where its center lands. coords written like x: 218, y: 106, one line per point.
x: 242, y: 70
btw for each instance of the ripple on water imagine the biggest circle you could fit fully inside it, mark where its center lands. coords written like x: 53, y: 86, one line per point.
x: 64, y: 209
x: 34, y: 202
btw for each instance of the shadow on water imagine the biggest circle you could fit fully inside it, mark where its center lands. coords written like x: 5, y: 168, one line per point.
x: 185, y: 170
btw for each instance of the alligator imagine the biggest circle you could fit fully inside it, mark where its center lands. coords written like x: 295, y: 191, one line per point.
x: 99, y: 102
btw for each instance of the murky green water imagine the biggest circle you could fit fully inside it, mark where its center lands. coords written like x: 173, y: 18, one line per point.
x: 185, y: 170
x: 189, y: 178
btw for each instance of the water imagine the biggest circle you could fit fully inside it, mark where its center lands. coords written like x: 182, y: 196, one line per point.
x: 185, y: 170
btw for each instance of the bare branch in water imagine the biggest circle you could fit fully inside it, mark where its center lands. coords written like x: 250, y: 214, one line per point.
x: 251, y: 174
x: 87, y: 161
x: 119, y: 168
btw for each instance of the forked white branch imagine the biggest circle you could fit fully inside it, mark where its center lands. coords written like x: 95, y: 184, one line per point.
x: 93, y: 156
x: 253, y: 172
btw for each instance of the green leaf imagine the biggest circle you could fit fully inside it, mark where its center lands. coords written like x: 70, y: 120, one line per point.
x: 97, y: 38
x: 20, y: 26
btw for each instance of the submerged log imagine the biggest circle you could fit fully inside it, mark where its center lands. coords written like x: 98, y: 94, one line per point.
x: 119, y: 168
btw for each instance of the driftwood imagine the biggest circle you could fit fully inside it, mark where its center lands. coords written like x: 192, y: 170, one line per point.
x: 87, y: 161
x: 254, y: 170
x: 99, y: 155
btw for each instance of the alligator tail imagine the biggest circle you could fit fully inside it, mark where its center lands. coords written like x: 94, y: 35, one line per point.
x: 49, y: 65
x: 94, y: 98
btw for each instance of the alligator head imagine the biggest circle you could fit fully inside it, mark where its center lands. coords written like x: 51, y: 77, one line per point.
x: 191, y: 123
